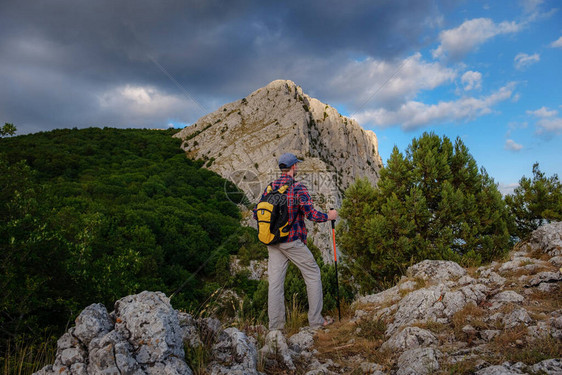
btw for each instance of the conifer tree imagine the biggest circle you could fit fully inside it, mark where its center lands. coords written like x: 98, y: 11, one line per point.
x: 535, y: 202
x: 431, y: 203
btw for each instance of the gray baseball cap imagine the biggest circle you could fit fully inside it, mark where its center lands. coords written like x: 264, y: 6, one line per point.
x: 287, y: 160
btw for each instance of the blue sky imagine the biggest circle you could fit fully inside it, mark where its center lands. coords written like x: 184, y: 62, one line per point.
x: 487, y: 72
x: 497, y: 87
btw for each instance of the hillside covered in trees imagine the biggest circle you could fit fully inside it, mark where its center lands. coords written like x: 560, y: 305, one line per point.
x: 92, y: 215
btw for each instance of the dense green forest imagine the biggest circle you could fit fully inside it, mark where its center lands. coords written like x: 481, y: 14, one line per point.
x: 96, y: 214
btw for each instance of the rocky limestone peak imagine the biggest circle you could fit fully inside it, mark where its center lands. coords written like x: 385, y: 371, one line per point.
x: 242, y: 140
x: 250, y: 134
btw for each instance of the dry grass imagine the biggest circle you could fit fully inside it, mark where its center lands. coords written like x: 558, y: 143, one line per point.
x: 22, y: 358
x: 198, y: 358
x: 472, y: 272
x: 296, y: 317
x: 538, y: 254
x: 420, y: 283
x: 514, y: 275
x: 273, y: 365
x: 433, y: 326
x: 470, y: 314
x: 545, y: 302
x: 347, y: 311
x: 515, y: 345
x: 372, y: 307
x: 370, y: 328
x: 343, y: 344
x: 508, y: 338
x: 465, y: 367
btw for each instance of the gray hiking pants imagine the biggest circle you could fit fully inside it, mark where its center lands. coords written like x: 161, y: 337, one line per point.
x: 279, y: 257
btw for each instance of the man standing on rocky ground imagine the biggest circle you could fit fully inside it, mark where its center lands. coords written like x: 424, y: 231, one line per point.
x: 294, y: 249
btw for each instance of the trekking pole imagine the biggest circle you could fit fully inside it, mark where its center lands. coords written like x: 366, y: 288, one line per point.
x: 336, y: 263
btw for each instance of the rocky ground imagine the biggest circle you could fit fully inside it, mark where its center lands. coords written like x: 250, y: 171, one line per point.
x: 501, y: 319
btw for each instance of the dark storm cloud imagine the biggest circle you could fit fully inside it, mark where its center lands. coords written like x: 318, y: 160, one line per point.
x: 82, y: 63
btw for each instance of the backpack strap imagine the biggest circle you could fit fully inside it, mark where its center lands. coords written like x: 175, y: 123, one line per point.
x: 295, y: 218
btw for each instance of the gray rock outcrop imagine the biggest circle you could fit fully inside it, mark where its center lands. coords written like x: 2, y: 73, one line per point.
x: 410, y: 338
x: 549, y: 367
x: 276, y: 345
x: 142, y: 336
x: 234, y: 354
x: 419, y: 361
x: 547, y: 239
x: 484, y: 307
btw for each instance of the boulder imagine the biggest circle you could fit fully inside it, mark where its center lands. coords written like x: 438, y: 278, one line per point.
x: 489, y: 334
x: 437, y: 303
x: 410, y: 338
x: 385, y: 297
x: 507, y: 296
x: 304, y: 340
x: 517, y: 317
x: 489, y: 277
x: 515, y: 264
x: 548, y: 239
x: 189, y: 330
x: 112, y: 353
x: 142, y: 336
x: 556, y: 261
x: 92, y: 322
x: 148, y: 321
x: 276, y: 345
x: 419, y: 306
x: 548, y: 366
x: 419, y: 361
x: 544, y: 277
x: 436, y: 271
x: 234, y: 353
x: 504, y: 369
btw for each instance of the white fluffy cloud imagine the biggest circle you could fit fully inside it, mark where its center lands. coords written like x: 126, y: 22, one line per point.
x: 511, y: 145
x: 543, y: 112
x: 457, y: 42
x: 391, y: 84
x: 413, y: 114
x: 547, y: 120
x: 471, y: 80
x: 557, y: 43
x: 523, y: 60
x: 550, y: 125
x: 144, y: 105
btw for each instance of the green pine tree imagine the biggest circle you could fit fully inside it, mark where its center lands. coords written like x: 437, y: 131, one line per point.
x: 431, y: 203
x: 535, y: 202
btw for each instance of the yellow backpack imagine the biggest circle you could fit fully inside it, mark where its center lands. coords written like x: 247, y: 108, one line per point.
x: 273, y: 215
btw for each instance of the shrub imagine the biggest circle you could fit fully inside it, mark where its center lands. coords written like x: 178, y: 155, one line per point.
x: 431, y: 203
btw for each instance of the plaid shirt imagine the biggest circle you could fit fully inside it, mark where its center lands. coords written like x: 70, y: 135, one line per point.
x: 300, y: 204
